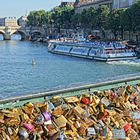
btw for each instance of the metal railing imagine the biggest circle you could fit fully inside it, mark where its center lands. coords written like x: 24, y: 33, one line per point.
x: 131, y: 79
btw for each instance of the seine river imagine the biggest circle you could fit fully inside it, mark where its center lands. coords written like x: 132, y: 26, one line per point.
x: 18, y: 76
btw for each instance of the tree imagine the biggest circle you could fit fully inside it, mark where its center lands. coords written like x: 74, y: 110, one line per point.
x: 75, y: 20
x: 37, y: 18
x: 116, y: 20
x: 135, y: 13
x: 127, y: 21
x: 115, y: 24
x: 102, y: 18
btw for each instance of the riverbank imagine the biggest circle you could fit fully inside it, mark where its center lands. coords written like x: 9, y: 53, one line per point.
x: 107, y: 110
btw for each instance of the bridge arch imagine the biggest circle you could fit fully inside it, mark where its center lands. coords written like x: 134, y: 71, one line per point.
x: 3, y: 34
x: 36, y: 33
x: 22, y: 33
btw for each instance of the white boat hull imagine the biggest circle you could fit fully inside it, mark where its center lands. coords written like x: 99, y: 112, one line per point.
x: 88, y: 55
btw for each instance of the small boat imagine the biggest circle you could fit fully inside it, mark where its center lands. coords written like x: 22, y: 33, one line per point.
x: 33, y: 62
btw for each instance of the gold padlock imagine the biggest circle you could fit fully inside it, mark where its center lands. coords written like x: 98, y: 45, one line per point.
x: 102, y: 107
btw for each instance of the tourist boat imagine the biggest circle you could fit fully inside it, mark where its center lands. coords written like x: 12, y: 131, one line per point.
x: 101, y: 51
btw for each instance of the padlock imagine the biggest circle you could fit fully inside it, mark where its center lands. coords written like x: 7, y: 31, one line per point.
x: 39, y: 119
x: 57, y: 111
x: 101, y: 123
x: 85, y: 100
x: 119, y: 134
x: 72, y: 126
x: 55, y: 98
x: 101, y: 107
x: 46, y: 115
x: 23, y: 133
x: 91, y: 98
x: 129, y: 89
x: 87, y: 111
x: 8, y: 138
x: 82, y: 130
x: 91, y: 111
x: 61, y: 121
x: 97, y: 129
x: 107, y: 121
x: 94, y: 109
x: 72, y: 99
x: 9, y: 131
x: 105, y: 101
x: 103, y: 115
x: 118, y: 116
x: 96, y: 100
x: 48, y: 122
x: 51, y: 130
x: 127, y: 126
x: 70, y: 133
x: 51, y: 105
x: 91, y: 131
x: 117, y: 124
x: 132, y: 134
x: 44, y: 108
x: 121, y: 91
x: 77, y: 124
x: 28, y: 108
x: 126, y: 97
x: 57, y: 101
x: 105, y: 132
x: 12, y: 122
x: 30, y: 127
x: 79, y: 111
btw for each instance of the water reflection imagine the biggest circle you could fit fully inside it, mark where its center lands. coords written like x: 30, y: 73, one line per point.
x: 1, y: 37
x: 15, y: 37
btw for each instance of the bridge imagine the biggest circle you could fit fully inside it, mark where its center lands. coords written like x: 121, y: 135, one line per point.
x: 25, y: 32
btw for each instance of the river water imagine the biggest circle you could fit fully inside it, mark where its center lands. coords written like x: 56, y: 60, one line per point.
x: 18, y: 76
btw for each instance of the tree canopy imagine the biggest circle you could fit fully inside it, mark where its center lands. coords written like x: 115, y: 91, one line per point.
x: 116, y: 20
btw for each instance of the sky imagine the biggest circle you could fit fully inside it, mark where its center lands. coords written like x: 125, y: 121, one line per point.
x: 19, y: 8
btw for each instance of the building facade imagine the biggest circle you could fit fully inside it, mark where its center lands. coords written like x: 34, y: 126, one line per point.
x: 8, y: 21
x: 123, y: 3
x: 63, y: 4
x: 80, y: 5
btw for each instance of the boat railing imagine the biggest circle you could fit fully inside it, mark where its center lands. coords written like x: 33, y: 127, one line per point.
x: 89, y: 45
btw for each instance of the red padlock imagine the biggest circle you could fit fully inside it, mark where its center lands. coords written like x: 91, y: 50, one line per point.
x: 85, y: 100
x: 127, y: 126
x: 105, y: 115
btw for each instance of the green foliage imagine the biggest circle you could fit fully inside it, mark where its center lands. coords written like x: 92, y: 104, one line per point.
x: 37, y: 18
x: 117, y: 20
x: 59, y: 17
x: 102, y: 16
x: 135, y: 16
